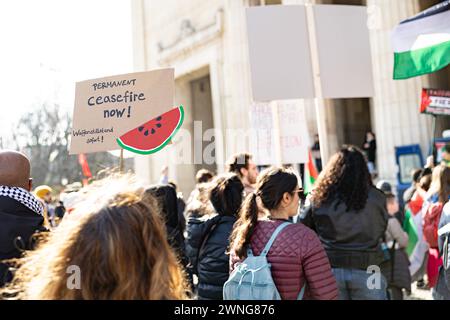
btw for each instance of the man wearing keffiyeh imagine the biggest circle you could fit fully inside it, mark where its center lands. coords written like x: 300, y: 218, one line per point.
x: 21, y: 214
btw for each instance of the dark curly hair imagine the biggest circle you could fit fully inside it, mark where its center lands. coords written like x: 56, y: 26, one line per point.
x: 345, y: 178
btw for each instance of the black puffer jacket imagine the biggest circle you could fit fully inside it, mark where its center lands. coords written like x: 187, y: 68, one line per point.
x: 351, y: 238
x: 17, y: 225
x: 167, y: 199
x: 209, y: 262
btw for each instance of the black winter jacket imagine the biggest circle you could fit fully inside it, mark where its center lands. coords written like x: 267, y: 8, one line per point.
x: 17, y: 225
x: 352, y: 239
x: 209, y: 262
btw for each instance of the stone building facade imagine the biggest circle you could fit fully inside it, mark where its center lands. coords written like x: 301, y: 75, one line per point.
x: 206, y: 43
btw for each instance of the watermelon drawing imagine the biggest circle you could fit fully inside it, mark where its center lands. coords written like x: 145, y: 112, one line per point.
x: 153, y: 135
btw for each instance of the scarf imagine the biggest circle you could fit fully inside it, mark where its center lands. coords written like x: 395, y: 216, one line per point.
x: 24, y: 197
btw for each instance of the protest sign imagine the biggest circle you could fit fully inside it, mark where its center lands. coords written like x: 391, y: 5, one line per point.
x: 282, y: 51
x: 108, y: 107
x: 261, y: 123
x: 280, y: 60
x: 344, y: 54
x: 435, y: 102
x: 294, y: 136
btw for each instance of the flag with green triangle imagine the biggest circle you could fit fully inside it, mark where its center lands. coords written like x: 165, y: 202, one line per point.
x: 422, y: 43
x: 310, y: 175
x: 410, y: 228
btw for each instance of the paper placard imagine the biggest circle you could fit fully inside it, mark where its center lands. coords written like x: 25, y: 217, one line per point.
x: 106, y: 108
x: 261, y: 121
x: 280, y: 52
x: 280, y: 58
x: 343, y: 44
x: 294, y: 132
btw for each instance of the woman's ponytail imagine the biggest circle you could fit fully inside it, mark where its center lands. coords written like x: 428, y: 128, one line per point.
x: 273, y: 183
x: 243, y: 229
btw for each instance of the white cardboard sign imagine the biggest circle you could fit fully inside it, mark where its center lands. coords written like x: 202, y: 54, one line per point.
x: 280, y: 55
x: 294, y: 136
x: 279, y: 51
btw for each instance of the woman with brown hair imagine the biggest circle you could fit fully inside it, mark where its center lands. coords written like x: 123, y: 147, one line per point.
x: 112, y: 246
x: 350, y: 217
x: 208, y: 236
x: 297, y: 257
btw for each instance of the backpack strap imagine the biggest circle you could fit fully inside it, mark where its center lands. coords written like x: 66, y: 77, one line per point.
x: 301, y: 293
x: 273, y: 237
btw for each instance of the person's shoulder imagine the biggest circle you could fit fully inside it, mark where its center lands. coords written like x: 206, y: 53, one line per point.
x: 446, y: 209
x: 224, y: 222
x: 300, y: 231
x: 197, y: 221
x: 376, y: 194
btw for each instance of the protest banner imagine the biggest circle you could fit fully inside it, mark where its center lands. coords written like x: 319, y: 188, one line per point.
x: 261, y: 122
x: 280, y: 58
x: 293, y: 136
x: 304, y: 51
x: 436, y: 102
x: 108, y: 107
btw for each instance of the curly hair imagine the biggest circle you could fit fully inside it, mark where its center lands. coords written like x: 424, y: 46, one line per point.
x: 345, y: 178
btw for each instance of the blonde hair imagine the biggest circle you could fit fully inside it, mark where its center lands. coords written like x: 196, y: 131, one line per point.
x: 118, y: 241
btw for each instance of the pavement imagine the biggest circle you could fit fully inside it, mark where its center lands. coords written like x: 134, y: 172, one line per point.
x: 418, y: 294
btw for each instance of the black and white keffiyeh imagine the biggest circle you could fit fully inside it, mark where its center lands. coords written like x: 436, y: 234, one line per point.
x: 24, y: 197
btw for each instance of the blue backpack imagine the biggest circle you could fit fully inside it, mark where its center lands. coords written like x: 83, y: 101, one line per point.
x: 252, y: 279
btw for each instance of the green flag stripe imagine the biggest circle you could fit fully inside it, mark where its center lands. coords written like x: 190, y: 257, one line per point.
x: 410, y: 228
x: 422, y: 61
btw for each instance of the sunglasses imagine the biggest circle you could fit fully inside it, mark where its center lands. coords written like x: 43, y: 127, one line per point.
x: 301, y: 193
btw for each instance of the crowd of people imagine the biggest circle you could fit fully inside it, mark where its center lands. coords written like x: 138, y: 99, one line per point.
x: 131, y: 241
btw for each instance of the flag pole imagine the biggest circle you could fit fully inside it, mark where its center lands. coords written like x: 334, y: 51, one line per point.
x: 121, y: 161
x: 433, y: 136
x: 318, y: 100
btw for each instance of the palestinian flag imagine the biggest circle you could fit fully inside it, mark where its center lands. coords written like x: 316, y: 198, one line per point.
x: 422, y: 43
x: 310, y: 175
x: 410, y: 228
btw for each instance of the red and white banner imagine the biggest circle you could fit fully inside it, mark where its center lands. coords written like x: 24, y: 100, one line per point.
x: 435, y: 102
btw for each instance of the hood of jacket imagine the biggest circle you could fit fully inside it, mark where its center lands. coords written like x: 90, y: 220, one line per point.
x: 17, y: 225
